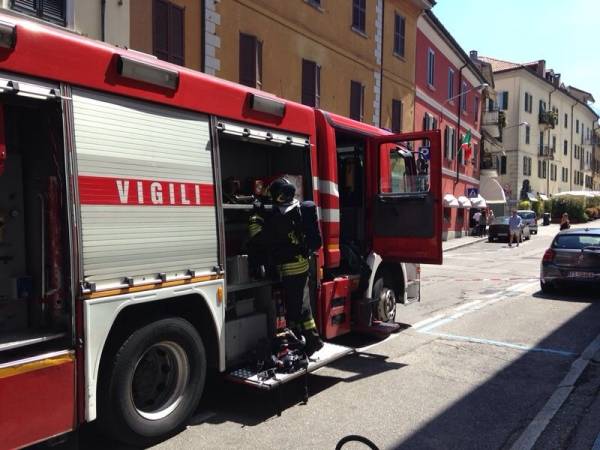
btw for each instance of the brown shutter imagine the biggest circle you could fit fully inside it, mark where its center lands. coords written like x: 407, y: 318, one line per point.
x: 53, y: 10
x: 309, y: 82
x: 160, y: 23
x: 176, y: 34
x: 396, y: 116
x: 259, y: 63
x: 248, y: 66
x: 355, y: 100
x: 318, y: 87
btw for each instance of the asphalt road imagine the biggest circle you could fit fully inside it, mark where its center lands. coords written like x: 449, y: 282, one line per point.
x: 483, y: 355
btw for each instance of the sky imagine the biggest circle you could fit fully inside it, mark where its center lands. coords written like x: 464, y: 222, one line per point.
x: 563, y: 32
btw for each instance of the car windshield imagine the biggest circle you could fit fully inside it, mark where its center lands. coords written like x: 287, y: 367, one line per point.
x: 527, y: 214
x: 502, y: 220
x: 576, y: 241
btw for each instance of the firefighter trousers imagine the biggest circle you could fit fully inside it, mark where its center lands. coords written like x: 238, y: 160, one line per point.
x: 297, y: 301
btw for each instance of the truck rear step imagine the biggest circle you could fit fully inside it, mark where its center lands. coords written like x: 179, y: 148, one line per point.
x: 250, y: 376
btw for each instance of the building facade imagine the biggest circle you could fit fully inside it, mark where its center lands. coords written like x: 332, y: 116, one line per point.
x: 449, y: 90
x: 105, y: 21
x: 548, y: 139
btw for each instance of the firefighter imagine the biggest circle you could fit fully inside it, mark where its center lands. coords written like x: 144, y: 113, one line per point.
x: 290, y: 235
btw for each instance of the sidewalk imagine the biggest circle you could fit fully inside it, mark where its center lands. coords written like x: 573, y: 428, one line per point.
x: 461, y: 242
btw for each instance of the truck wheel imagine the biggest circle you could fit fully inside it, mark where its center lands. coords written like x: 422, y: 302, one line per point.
x: 385, y: 308
x: 154, y: 383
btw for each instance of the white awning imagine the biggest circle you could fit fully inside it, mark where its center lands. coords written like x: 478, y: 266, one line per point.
x: 464, y: 202
x: 491, y: 191
x: 478, y: 202
x: 531, y: 196
x: 450, y: 201
x: 543, y: 197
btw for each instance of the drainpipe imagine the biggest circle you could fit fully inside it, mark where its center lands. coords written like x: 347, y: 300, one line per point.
x: 381, y: 52
x: 571, y: 152
x: 103, y: 20
x: 548, y: 173
x: 458, y: 121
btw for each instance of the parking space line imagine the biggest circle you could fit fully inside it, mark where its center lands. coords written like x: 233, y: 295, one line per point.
x: 523, y: 347
x: 467, y: 305
x: 426, y: 321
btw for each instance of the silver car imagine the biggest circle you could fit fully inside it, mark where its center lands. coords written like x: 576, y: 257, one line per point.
x: 529, y: 217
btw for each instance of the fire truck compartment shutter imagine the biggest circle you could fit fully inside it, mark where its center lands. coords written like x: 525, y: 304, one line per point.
x: 146, y: 191
x: 263, y: 135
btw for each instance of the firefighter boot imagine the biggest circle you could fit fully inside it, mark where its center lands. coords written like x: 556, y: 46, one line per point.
x: 313, y: 340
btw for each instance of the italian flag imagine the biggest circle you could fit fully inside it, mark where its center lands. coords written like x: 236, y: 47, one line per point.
x: 466, y: 146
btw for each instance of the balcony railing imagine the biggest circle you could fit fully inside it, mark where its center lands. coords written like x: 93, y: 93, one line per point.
x: 549, y: 118
x: 490, y: 118
x: 546, y: 152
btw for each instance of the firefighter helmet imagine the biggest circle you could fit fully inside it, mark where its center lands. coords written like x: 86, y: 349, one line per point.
x: 282, y: 191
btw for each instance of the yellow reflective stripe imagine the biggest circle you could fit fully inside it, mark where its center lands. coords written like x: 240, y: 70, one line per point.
x: 309, y: 324
x: 294, y: 268
x: 254, y: 229
x: 19, y: 369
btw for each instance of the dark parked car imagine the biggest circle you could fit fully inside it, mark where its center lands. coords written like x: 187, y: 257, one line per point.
x: 573, y: 258
x: 499, y: 230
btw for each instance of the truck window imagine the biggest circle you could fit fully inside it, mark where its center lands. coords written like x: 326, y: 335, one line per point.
x: 408, y: 172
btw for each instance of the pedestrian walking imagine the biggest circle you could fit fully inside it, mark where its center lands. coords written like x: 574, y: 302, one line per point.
x: 483, y: 223
x: 490, y: 217
x: 475, y: 223
x: 564, y: 222
x: 514, y: 228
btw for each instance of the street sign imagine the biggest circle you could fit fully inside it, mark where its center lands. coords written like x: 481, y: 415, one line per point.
x: 472, y: 192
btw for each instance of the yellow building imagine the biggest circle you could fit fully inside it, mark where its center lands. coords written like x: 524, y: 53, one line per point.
x: 327, y: 53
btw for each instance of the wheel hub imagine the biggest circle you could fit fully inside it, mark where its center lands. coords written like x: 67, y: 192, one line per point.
x: 386, y: 306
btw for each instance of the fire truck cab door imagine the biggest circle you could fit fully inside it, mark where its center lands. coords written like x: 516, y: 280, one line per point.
x: 406, y: 192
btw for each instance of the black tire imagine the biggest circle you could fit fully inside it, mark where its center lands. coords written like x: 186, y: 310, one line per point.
x: 154, y: 382
x: 547, y: 288
x: 385, y: 289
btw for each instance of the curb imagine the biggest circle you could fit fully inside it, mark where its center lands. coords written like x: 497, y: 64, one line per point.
x: 464, y: 244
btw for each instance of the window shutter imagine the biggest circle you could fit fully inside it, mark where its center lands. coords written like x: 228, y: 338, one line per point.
x: 503, y: 165
x: 396, y: 116
x: 248, y: 60
x: 505, y: 100
x: 309, y: 81
x: 434, y: 123
x: 425, y: 122
x: 160, y: 19
x: 29, y: 6
x: 355, y: 100
x: 446, y: 145
x: 176, y: 34
x: 53, y: 10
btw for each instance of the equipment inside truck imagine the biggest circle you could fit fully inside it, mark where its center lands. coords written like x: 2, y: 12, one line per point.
x: 33, y: 226
x: 249, y: 160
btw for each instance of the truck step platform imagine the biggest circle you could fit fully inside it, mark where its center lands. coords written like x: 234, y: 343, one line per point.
x: 250, y: 377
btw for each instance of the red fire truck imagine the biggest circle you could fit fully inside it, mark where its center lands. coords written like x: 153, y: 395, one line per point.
x: 122, y: 274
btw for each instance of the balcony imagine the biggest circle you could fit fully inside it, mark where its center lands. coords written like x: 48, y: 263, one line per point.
x: 546, y: 152
x: 548, y: 118
x: 493, y: 121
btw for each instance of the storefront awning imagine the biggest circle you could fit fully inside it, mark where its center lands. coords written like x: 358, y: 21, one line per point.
x: 450, y: 201
x: 478, y: 202
x: 464, y: 202
x: 543, y: 197
x: 531, y: 197
x: 490, y: 189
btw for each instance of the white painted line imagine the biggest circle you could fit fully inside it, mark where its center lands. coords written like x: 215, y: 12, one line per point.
x: 502, y: 344
x: 436, y: 324
x: 467, y: 305
x: 533, y: 431
x: 426, y: 321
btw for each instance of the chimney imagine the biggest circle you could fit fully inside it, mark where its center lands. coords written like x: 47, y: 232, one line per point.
x: 557, y: 79
x: 541, y: 68
x: 473, y: 55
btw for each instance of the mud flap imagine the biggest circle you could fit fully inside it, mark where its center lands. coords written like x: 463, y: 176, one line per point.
x: 267, y: 381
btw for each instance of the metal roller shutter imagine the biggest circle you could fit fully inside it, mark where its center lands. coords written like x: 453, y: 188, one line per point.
x: 146, y: 190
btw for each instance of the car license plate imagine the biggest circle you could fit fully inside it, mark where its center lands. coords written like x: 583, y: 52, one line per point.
x: 582, y: 275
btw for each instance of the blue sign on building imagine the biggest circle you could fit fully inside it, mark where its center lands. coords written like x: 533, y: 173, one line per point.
x: 472, y: 192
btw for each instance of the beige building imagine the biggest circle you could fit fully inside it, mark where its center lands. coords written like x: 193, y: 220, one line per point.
x: 354, y: 58
x: 548, y: 136
x: 106, y: 20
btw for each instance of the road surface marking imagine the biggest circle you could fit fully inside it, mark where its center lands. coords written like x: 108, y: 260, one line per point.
x: 524, y: 347
x: 467, y: 305
x: 537, y: 426
x: 426, y: 321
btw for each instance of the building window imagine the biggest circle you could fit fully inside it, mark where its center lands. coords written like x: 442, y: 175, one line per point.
x: 359, y: 14
x: 528, y: 102
x: 450, y: 83
x: 476, y: 108
x: 565, y: 147
x: 544, y: 169
x: 526, y: 165
x: 250, y: 61
x: 566, y: 120
x: 541, y: 144
x: 502, y: 165
x: 430, y: 66
x: 357, y: 100
x: 399, y: 34
x: 311, y: 83
x: 463, y: 96
x: 49, y: 10
x: 396, y: 116
x: 503, y: 100
x: 542, y: 107
x: 553, y: 172
x: 527, y: 133
x: 475, y: 154
x: 168, y: 31
x: 553, y: 144
x: 577, y: 126
x: 449, y: 144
